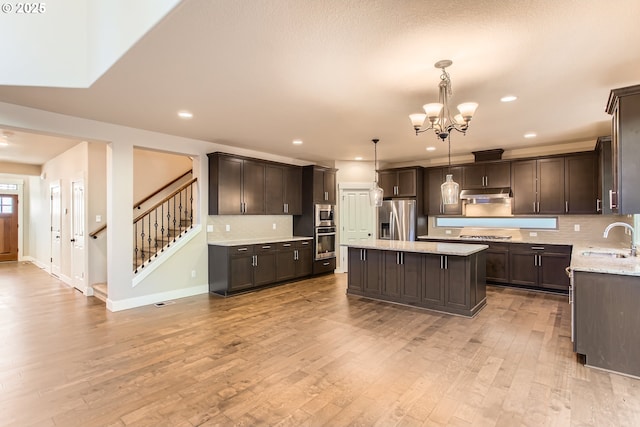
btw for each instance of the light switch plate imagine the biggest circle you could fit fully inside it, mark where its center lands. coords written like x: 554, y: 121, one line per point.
x: 576, y: 227
x: 227, y: 227
x: 98, y: 218
x: 209, y: 228
x: 274, y: 225
x: 447, y: 231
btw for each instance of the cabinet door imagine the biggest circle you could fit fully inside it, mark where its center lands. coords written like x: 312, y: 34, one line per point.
x: 319, y: 195
x: 457, y: 282
x: 373, y: 272
x: 498, y: 175
x: 433, y: 280
x: 473, y: 176
x: 274, y: 186
x: 523, y: 269
x: 264, y: 270
x: 293, y: 190
x: 304, y: 263
x: 581, y: 184
x: 552, y: 273
x: 356, y: 270
x: 407, y: 183
x: 434, y: 202
x: 551, y: 186
x: 523, y: 186
x: 411, y: 285
x: 253, y: 187
x: 387, y: 180
x: 330, y: 187
x: 497, y: 260
x: 240, y: 272
x: 229, y: 186
x: 393, y: 274
x: 285, y: 262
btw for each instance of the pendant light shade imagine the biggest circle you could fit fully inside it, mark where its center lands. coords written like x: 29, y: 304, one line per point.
x: 450, y: 191
x: 376, y: 193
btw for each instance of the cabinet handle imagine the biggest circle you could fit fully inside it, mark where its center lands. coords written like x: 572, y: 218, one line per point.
x: 446, y: 262
x: 402, y: 258
x: 253, y: 260
x: 242, y: 249
x: 538, y: 207
x: 295, y: 255
x: 611, y: 204
x: 286, y: 208
x: 326, y: 263
x: 537, y: 248
x: 535, y: 260
x: 566, y: 206
x: 286, y: 245
x: 304, y: 243
x: 598, y: 205
x: 534, y: 207
x: 266, y: 247
x: 256, y: 257
x: 539, y: 260
x: 364, y: 254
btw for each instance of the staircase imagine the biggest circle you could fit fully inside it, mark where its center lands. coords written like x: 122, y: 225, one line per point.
x: 158, y: 227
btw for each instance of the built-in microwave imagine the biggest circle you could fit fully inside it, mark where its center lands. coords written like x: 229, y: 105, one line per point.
x: 324, y: 216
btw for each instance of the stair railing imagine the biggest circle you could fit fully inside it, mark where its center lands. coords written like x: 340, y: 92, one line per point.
x: 162, y: 224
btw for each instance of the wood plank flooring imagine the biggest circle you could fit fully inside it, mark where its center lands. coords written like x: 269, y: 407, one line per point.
x: 302, y: 354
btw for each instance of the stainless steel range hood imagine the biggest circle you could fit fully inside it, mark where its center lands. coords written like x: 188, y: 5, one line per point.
x: 486, y: 195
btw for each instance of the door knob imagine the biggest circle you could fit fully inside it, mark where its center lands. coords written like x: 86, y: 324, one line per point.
x: 73, y: 240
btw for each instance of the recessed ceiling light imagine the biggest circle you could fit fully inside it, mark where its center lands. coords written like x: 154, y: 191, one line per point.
x: 297, y: 142
x: 530, y: 135
x: 358, y: 158
x: 185, y: 114
x: 508, y: 98
x: 431, y: 148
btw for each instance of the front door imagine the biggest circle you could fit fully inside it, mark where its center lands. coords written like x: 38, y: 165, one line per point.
x: 356, y: 220
x: 77, y: 235
x: 55, y: 229
x: 8, y: 227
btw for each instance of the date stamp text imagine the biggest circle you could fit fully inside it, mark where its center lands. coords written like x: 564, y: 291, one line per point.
x: 23, y: 8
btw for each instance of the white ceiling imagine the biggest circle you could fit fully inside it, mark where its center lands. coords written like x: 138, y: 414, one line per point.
x: 260, y: 73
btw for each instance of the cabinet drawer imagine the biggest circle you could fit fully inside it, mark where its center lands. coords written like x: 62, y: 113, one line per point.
x: 241, y: 250
x: 304, y: 244
x: 324, y: 266
x: 265, y: 247
x: 285, y: 246
x: 530, y: 247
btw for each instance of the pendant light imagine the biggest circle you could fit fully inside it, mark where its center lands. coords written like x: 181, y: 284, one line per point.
x: 376, y: 193
x: 450, y: 189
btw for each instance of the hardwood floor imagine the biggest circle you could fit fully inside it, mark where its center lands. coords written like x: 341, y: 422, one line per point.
x: 302, y: 354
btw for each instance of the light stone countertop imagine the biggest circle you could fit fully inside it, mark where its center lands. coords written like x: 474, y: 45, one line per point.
x: 629, y: 266
x: 455, y: 249
x: 479, y: 241
x: 258, y: 241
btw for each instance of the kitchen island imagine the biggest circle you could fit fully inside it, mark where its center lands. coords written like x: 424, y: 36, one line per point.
x: 445, y: 277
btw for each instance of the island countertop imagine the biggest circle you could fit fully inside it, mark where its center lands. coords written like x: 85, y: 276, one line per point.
x: 258, y: 241
x: 454, y: 249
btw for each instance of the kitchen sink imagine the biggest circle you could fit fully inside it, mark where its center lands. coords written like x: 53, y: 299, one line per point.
x: 608, y: 254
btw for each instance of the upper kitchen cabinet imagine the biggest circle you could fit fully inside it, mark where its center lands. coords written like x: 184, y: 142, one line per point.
x: 404, y: 182
x: 283, y: 184
x: 624, y: 105
x: 538, y: 186
x: 605, y: 174
x: 236, y: 185
x: 433, y: 179
x: 581, y: 183
x: 486, y: 175
x: 324, y: 185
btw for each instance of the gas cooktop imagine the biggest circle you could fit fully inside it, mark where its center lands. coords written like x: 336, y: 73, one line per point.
x: 479, y: 237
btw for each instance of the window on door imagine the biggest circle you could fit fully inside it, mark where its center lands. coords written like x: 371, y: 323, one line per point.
x: 6, y: 205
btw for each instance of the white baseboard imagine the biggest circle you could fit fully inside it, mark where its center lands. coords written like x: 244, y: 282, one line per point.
x: 141, y: 301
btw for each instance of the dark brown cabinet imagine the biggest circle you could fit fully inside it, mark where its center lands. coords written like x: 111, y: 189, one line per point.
x: 365, y: 271
x: 240, y: 268
x: 497, y: 262
x: 538, y: 186
x: 605, y: 174
x: 236, y: 186
x: 405, y: 182
x: 624, y: 106
x: 283, y: 186
x: 541, y: 266
x: 447, y: 283
x: 434, y: 177
x: 324, y: 185
x: 486, y: 175
x: 581, y: 183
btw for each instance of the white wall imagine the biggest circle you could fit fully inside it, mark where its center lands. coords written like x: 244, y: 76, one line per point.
x: 151, y: 168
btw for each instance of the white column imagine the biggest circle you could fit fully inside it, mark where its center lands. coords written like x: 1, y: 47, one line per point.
x: 119, y: 219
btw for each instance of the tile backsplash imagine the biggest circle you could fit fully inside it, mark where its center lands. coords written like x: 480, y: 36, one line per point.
x: 249, y: 227
x: 591, y: 228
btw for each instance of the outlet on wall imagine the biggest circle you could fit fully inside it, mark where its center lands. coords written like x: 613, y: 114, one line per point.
x: 576, y: 227
x: 533, y: 233
x: 447, y: 231
x: 193, y: 273
x: 274, y: 225
x: 227, y: 227
x: 98, y: 218
x: 209, y: 228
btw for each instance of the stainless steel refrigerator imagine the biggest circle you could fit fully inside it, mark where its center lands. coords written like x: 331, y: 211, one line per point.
x: 397, y: 219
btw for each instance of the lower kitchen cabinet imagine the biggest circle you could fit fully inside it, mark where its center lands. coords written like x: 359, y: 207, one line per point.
x: 235, y: 269
x: 324, y: 266
x: 497, y: 262
x: 454, y: 284
x: 540, y: 266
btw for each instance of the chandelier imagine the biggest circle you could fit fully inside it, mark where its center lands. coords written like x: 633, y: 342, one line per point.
x: 437, y: 114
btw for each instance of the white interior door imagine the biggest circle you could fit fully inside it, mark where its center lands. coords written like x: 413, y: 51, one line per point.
x: 357, y: 218
x: 78, y: 235
x: 56, y: 216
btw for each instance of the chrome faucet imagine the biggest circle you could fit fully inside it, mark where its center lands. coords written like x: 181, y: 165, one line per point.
x: 622, y: 224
